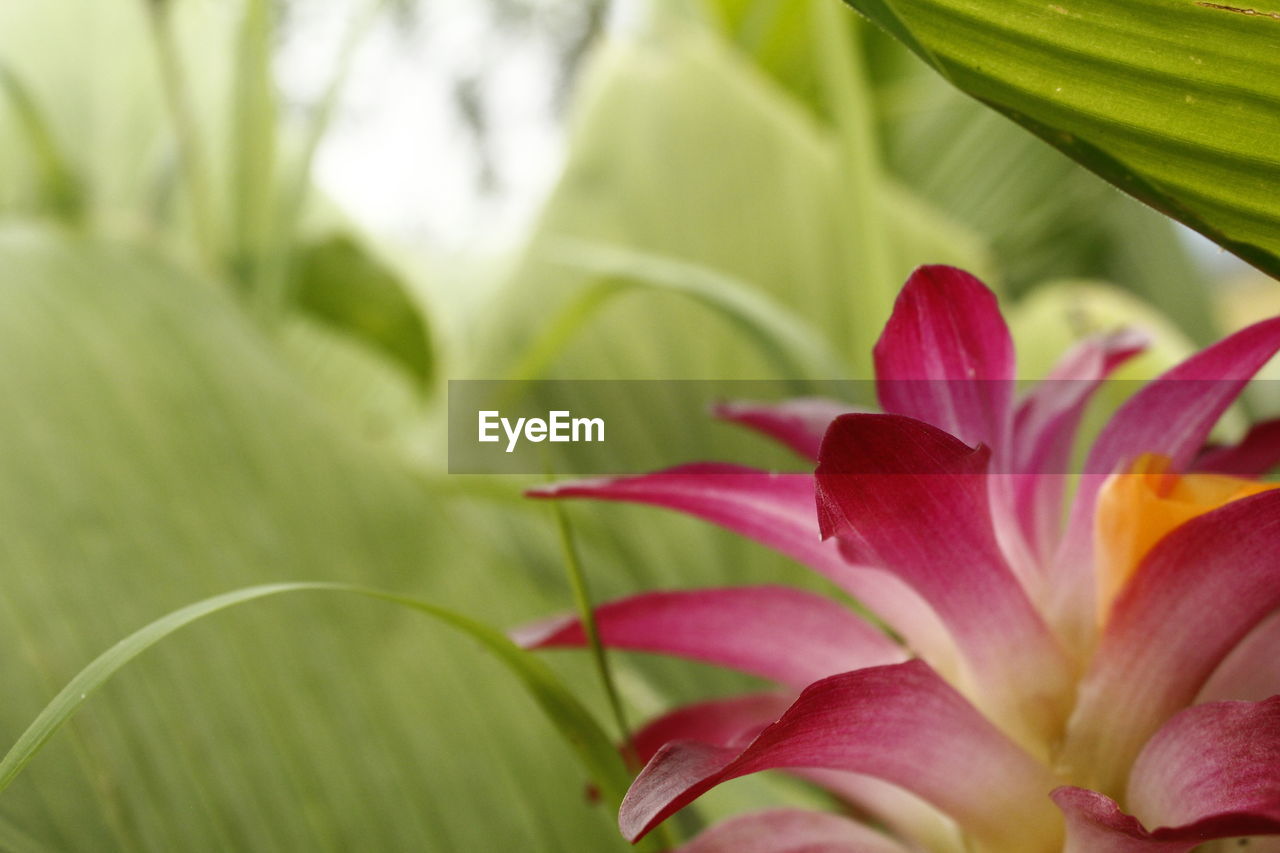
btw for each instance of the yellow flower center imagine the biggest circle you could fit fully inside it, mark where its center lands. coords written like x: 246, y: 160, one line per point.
x: 1139, y: 508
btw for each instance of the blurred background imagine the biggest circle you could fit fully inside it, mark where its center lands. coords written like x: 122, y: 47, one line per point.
x: 245, y: 243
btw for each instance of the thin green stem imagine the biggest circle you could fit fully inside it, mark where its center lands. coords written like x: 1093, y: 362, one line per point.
x: 664, y: 834
x: 177, y: 97
x: 582, y: 600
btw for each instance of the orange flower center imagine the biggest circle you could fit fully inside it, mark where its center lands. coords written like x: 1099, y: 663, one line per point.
x: 1139, y: 508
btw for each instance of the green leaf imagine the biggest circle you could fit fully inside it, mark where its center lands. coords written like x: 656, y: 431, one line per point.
x: 342, y: 285
x: 158, y: 452
x: 594, y: 748
x: 1045, y: 218
x: 1176, y: 102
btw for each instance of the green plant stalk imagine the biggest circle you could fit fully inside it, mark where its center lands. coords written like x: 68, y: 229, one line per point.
x: 582, y: 600
x: 274, y: 282
x: 664, y: 835
x: 63, y: 190
x: 253, y: 145
x: 177, y: 97
x: 869, y: 245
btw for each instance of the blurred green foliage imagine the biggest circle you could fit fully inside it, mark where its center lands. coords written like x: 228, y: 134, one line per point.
x: 215, y: 381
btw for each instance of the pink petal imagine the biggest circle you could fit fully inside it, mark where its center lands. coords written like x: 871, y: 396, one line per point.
x: 777, y: 632
x: 1045, y: 427
x: 1095, y: 824
x: 1193, y: 598
x: 1212, y: 772
x: 791, y: 831
x: 1172, y: 416
x: 1256, y: 454
x: 736, y: 721
x: 901, y: 723
x: 773, y: 509
x: 945, y: 356
x: 1216, y: 766
x: 1252, y: 670
x: 799, y: 423
x: 904, y: 495
x: 776, y: 510
x: 720, y: 722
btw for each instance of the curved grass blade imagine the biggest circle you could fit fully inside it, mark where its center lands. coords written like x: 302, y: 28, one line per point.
x: 591, y: 744
x: 791, y: 344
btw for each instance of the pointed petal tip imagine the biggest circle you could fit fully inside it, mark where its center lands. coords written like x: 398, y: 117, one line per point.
x: 946, y: 356
x: 947, y: 280
x: 725, y: 409
x: 534, y: 635
x: 679, y: 773
x: 1129, y: 338
x: 549, y: 490
x: 579, y: 487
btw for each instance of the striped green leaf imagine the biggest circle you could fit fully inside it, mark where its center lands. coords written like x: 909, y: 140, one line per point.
x: 1177, y: 102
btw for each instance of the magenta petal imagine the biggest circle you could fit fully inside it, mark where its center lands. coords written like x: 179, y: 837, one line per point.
x: 904, y: 495
x: 1252, y: 671
x: 1045, y: 427
x: 1095, y: 824
x: 1174, y: 413
x: 737, y: 720
x: 791, y: 831
x: 775, y: 510
x: 945, y: 356
x: 720, y: 722
x: 799, y: 423
x: 1191, y: 601
x: 1216, y: 766
x: 777, y: 632
x: 1212, y: 772
x: 901, y: 723
x: 1256, y: 454
x: 1172, y: 416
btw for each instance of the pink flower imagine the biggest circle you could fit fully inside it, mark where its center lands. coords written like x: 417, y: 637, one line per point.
x: 1103, y: 684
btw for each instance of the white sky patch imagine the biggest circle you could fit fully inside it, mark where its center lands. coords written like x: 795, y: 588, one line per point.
x: 398, y: 158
